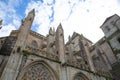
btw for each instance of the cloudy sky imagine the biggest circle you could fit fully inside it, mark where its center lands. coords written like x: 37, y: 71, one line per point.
x: 81, y: 16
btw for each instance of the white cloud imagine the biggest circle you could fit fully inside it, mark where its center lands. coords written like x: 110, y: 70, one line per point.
x: 16, y: 22
x: 87, y: 17
x: 82, y: 16
x: 41, y: 16
x: 5, y: 31
x: 51, y: 13
x: 8, y: 14
x: 7, y: 10
x: 2, y: 10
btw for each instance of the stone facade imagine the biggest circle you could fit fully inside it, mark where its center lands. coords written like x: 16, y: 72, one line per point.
x: 27, y: 55
x: 111, y: 29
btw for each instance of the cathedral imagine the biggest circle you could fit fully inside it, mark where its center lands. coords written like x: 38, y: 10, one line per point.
x: 28, y: 55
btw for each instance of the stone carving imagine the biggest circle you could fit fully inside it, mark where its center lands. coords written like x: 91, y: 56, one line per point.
x: 51, y: 52
x: 75, y: 58
x: 51, y: 42
x: 37, y: 72
x: 33, y: 50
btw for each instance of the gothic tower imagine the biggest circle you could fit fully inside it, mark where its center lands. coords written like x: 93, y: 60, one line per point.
x: 12, y: 68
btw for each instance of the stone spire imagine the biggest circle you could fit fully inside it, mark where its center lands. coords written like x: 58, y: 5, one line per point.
x: 60, y: 43
x: 12, y: 67
x: 60, y: 26
x: 50, y: 31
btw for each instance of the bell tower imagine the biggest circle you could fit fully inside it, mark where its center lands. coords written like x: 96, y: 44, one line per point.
x: 12, y: 67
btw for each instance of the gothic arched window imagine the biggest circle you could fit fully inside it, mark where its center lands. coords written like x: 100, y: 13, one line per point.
x: 34, y: 44
x: 37, y: 71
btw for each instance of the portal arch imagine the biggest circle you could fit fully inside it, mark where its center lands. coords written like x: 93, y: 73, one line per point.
x: 38, y: 70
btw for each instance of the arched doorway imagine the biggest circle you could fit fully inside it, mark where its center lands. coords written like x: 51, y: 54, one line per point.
x: 37, y: 70
x: 80, y: 76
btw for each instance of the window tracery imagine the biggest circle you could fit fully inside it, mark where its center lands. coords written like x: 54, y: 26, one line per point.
x: 37, y: 72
